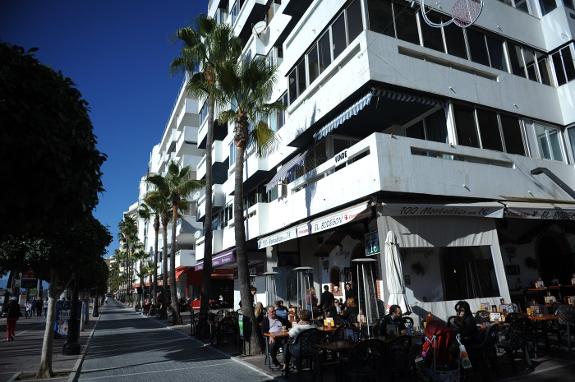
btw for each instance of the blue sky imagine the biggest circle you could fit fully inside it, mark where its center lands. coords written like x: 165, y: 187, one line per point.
x: 118, y: 54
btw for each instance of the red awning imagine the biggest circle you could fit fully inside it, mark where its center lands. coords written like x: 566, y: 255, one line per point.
x: 180, y: 272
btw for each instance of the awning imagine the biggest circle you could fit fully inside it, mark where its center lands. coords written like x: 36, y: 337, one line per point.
x: 480, y: 209
x: 541, y: 211
x: 219, y: 259
x: 282, y: 173
x: 180, y: 272
x: 344, y: 116
x: 404, y: 97
x: 326, y: 222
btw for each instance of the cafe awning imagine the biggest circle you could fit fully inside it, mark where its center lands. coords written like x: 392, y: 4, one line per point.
x: 323, y: 223
x: 222, y: 258
x: 541, y: 211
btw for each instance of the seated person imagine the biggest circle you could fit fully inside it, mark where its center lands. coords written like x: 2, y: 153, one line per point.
x: 351, y: 311
x: 281, y: 310
x: 330, y: 310
x: 273, y: 324
x: 464, y: 323
x: 303, y: 324
x: 392, y: 323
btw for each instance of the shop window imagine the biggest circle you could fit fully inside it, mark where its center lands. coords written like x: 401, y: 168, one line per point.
x: 354, y: 20
x: 516, y: 59
x: 381, y: 17
x: 512, y: 134
x: 338, y: 35
x: 455, y: 41
x: 496, y: 55
x: 548, y: 141
x: 489, y: 130
x: 324, y: 52
x: 465, y: 126
x: 477, y: 47
x: 547, y: 6
x: 301, y: 81
x: 432, y: 37
x: 312, y: 63
x: 406, y: 23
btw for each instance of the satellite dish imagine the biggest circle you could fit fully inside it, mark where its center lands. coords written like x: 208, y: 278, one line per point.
x: 259, y: 27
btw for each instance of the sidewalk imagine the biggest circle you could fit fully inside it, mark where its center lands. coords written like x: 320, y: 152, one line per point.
x: 23, y: 355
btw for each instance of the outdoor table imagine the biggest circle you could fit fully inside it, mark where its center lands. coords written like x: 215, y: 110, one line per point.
x: 542, y: 322
x: 275, y: 335
x: 338, y: 347
x: 327, y: 329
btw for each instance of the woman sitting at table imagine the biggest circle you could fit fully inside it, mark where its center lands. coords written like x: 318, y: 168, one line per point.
x: 351, y: 310
x: 392, y: 323
x: 303, y: 324
x: 464, y: 323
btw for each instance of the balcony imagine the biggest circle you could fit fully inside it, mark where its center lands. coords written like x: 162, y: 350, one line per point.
x: 218, y: 200
x: 186, y: 137
x: 243, y: 19
x: 185, y: 257
x: 187, y: 114
x: 186, y: 230
x: 394, y: 164
x: 256, y: 220
x: 219, y: 155
x: 217, y: 241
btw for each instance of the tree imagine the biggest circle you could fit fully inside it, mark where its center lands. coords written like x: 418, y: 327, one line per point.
x: 128, y: 235
x: 149, y: 208
x: 204, y: 49
x: 54, y: 187
x: 177, y: 185
x: 247, y: 85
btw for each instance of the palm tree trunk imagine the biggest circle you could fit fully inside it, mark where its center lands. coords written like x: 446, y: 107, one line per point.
x: 155, y: 280
x: 45, y: 368
x: 206, y: 289
x: 240, y: 236
x: 173, y: 289
x: 165, y: 260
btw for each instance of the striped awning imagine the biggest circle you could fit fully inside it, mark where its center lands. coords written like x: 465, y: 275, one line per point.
x: 400, y: 96
x: 282, y: 173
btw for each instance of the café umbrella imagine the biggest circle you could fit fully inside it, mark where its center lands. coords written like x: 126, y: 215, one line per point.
x: 394, y: 274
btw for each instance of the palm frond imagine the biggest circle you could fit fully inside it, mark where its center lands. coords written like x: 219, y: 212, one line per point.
x: 264, y: 139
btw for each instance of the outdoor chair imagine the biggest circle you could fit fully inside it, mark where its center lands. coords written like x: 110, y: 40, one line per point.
x: 483, y: 354
x: 398, y: 358
x: 566, y: 323
x: 228, y: 329
x: 482, y: 316
x: 513, y: 316
x: 366, y: 362
x: 516, y: 338
x: 304, y: 348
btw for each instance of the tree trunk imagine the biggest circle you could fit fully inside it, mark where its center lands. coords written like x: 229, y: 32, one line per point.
x: 45, y: 368
x: 165, y: 261
x: 173, y: 289
x: 206, y: 288
x: 240, y: 236
x: 155, y: 280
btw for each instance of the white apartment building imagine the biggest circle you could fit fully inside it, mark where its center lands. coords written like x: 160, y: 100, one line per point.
x: 178, y: 144
x: 460, y: 141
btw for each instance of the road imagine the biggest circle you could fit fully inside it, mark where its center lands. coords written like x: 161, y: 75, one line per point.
x: 129, y: 347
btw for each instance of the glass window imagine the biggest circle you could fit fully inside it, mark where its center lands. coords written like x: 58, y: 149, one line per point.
x: 416, y: 131
x: 232, y: 159
x: 496, y: 56
x: 312, y: 64
x: 568, y: 63
x: 281, y: 113
x: 489, y: 130
x: 549, y: 142
x: 324, y: 52
x: 512, y: 135
x: 571, y: 132
x: 406, y: 23
x: 522, y: 5
x: 543, y: 68
x: 516, y: 59
x: 432, y: 37
x: 569, y: 4
x: 477, y: 47
x: 547, y: 6
x: 465, y: 126
x: 455, y: 41
x: 436, y: 127
x: 292, y: 85
x: 558, y: 66
x: 354, y: 20
x: 301, y: 81
x: 338, y: 35
x: 381, y: 17
x: 530, y: 64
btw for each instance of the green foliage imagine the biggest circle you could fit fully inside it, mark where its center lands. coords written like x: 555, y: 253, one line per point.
x: 50, y: 163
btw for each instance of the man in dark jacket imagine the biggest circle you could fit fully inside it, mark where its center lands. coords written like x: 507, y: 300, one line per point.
x: 326, y: 298
x: 13, y: 315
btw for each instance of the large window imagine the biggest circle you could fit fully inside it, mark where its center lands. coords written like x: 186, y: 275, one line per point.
x: 323, y: 46
x: 432, y: 37
x: 338, y: 35
x: 496, y: 54
x: 312, y: 63
x: 571, y: 132
x: 465, y: 125
x: 450, y: 273
x: 548, y: 142
x: 232, y: 159
x: 431, y: 128
x: 203, y: 112
x: 516, y: 59
x: 547, y: 6
x: 381, y: 17
x: 489, y: 129
x: 455, y: 41
x: 477, y: 46
x: 354, y: 20
x: 563, y: 64
x: 512, y: 134
x: 406, y: 23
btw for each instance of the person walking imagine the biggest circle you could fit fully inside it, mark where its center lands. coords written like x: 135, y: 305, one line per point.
x: 13, y: 315
x: 28, y: 309
x: 39, y: 307
x: 45, y: 306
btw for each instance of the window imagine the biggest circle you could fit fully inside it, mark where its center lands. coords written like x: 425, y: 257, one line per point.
x: 232, y: 159
x: 564, y: 66
x: 229, y: 213
x: 338, y: 35
x: 568, y: 63
x: 354, y: 20
x: 489, y: 130
x: 477, y: 47
x: 512, y: 134
x: 436, y: 127
x: 406, y: 23
x: 548, y: 142
x: 381, y: 17
x: 543, y: 68
x: 432, y: 37
x: 324, y: 51
x: 465, y: 126
x: 571, y: 132
x: 281, y: 118
x: 234, y: 11
x: 516, y: 59
x: 496, y: 56
x: 292, y: 85
x: 203, y: 112
x: 522, y: 5
x: 569, y: 4
x: 559, y: 70
x: 455, y: 41
x: 312, y: 63
x: 301, y: 81
x: 416, y: 131
x: 530, y: 64
x: 547, y: 6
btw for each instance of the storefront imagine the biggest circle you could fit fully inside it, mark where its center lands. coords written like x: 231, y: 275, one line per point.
x: 222, y: 280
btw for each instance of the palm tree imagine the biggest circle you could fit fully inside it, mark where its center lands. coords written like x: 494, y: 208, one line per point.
x: 129, y: 238
x: 205, y: 48
x: 177, y: 185
x: 147, y: 209
x: 140, y: 256
x: 247, y: 85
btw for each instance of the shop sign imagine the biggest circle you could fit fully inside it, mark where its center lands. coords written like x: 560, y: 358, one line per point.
x: 277, y: 238
x: 371, y: 244
x: 541, y: 213
x: 219, y: 260
x: 468, y: 210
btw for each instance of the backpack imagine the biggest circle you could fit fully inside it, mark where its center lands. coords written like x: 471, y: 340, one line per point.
x: 440, y: 347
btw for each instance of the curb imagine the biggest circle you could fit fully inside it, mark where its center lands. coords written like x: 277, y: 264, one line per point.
x: 75, y: 373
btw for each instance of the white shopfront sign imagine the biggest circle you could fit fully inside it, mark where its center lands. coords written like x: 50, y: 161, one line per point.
x: 481, y: 210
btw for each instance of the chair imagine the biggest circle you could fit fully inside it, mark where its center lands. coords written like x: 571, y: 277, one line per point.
x: 516, y: 339
x: 228, y: 328
x: 483, y: 351
x: 366, y: 362
x: 566, y: 323
x: 482, y: 316
x: 304, y: 348
x: 398, y: 358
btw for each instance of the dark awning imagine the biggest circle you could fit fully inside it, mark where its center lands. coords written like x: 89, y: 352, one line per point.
x: 282, y: 173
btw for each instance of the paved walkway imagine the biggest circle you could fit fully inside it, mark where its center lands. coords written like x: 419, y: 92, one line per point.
x: 129, y: 347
